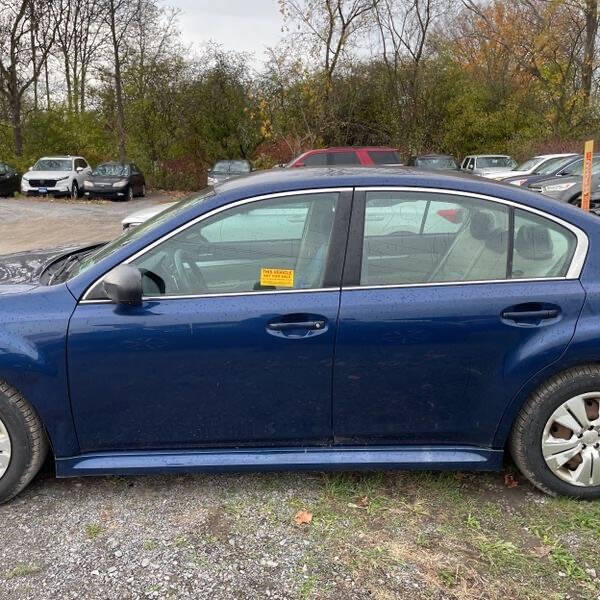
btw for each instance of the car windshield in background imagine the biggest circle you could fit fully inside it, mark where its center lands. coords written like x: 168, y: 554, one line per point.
x: 528, y: 164
x: 53, y: 164
x: 577, y: 168
x: 380, y: 157
x: 4, y: 169
x: 493, y: 162
x: 232, y: 166
x: 112, y: 169
x: 135, y: 233
x: 436, y: 162
x: 550, y: 166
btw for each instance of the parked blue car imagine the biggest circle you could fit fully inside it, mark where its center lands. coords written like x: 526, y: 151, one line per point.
x: 315, y: 319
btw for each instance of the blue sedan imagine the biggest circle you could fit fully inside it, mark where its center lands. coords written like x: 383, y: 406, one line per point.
x: 315, y: 319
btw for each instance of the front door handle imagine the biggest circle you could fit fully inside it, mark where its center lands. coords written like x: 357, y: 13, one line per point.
x: 527, y: 315
x: 309, y: 325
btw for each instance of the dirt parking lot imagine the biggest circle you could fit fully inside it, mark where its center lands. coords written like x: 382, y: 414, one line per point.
x: 381, y: 536
x: 41, y: 224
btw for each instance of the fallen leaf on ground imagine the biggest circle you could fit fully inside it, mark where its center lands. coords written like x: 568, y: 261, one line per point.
x: 302, y: 517
x: 510, y: 481
x: 542, y: 551
x: 360, y: 503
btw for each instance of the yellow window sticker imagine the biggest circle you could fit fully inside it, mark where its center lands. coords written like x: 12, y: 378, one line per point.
x: 277, y: 277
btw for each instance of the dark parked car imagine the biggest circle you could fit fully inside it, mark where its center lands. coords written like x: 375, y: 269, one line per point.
x: 567, y: 188
x: 435, y: 162
x: 10, y: 180
x: 228, y: 169
x: 558, y: 167
x: 319, y: 319
x: 115, y: 180
x: 348, y: 156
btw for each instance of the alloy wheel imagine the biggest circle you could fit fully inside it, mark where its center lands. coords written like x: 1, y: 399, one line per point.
x: 571, y: 440
x: 5, y: 449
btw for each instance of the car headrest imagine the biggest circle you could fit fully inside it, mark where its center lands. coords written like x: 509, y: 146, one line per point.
x: 497, y: 241
x: 482, y: 224
x: 533, y: 242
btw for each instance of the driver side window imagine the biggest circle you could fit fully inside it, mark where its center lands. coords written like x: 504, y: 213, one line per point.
x: 274, y: 244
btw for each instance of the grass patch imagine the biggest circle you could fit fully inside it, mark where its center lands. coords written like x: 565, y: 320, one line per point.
x: 93, y: 530
x: 22, y: 570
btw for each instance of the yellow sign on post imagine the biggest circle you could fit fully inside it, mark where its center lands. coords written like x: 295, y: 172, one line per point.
x: 586, y: 189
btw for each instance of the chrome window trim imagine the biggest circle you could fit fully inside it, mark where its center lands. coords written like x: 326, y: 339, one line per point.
x: 211, y: 213
x: 392, y: 286
x: 579, y: 255
x: 192, y: 296
x: 573, y: 272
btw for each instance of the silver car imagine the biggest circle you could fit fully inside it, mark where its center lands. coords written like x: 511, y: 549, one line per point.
x: 487, y: 165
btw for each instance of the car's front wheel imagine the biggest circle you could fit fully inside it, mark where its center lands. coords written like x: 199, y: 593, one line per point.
x: 23, y: 443
x: 555, y: 440
x: 75, y: 191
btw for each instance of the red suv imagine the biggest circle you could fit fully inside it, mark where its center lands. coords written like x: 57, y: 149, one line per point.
x: 368, y: 155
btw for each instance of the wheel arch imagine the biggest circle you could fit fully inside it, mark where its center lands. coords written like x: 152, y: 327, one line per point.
x: 502, y: 435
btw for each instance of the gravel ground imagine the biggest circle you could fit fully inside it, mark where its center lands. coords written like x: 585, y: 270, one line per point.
x: 38, y: 223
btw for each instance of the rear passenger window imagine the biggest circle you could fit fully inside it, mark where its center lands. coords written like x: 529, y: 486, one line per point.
x: 381, y: 157
x: 542, y: 248
x: 343, y: 158
x: 422, y: 237
x: 316, y: 160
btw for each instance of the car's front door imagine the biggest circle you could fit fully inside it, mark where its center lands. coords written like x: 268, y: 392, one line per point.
x: 233, y: 344
x: 450, y: 304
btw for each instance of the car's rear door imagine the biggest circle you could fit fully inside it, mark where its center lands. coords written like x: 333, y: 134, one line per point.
x: 233, y: 344
x: 450, y: 304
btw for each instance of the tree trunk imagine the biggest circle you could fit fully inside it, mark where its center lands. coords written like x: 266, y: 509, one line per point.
x: 17, y: 125
x: 591, y: 29
x: 118, y: 87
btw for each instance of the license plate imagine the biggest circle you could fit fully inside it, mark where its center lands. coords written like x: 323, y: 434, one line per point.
x: 43, y: 190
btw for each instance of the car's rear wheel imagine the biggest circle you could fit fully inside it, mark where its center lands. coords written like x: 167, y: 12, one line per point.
x: 23, y: 443
x: 555, y: 440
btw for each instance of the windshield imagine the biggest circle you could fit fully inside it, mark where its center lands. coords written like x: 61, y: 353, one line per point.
x: 54, y: 164
x: 3, y: 169
x: 112, y: 169
x: 529, y: 164
x: 137, y: 232
x: 552, y: 165
x: 436, y: 162
x: 231, y: 166
x: 495, y: 162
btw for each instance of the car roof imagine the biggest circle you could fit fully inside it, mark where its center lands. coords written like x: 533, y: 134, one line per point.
x: 434, y: 155
x: 60, y: 156
x: 352, y: 149
x: 487, y: 156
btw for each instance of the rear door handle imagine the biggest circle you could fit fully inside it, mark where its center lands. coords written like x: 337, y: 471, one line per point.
x: 526, y: 315
x: 310, y: 325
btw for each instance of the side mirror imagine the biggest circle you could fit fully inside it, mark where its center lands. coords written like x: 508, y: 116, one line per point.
x: 123, y: 285
x: 79, y: 169
x: 470, y: 167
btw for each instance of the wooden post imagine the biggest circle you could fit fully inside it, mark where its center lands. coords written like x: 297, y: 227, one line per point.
x: 586, y: 187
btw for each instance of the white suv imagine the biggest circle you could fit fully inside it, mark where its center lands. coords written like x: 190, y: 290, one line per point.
x: 56, y: 176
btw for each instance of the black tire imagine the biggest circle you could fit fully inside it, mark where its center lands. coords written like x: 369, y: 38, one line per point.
x: 130, y: 194
x: 75, y: 191
x: 28, y: 440
x: 526, y: 436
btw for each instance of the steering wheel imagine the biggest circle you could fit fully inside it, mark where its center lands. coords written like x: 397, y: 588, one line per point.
x: 192, y: 277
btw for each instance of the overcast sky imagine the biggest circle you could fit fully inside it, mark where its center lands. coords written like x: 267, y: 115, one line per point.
x: 241, y: 25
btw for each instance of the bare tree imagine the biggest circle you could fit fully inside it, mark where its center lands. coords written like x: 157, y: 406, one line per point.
x: 329, y: 26
x: 26, y: 39
x: 80, y: 36
x: 119, y: 17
